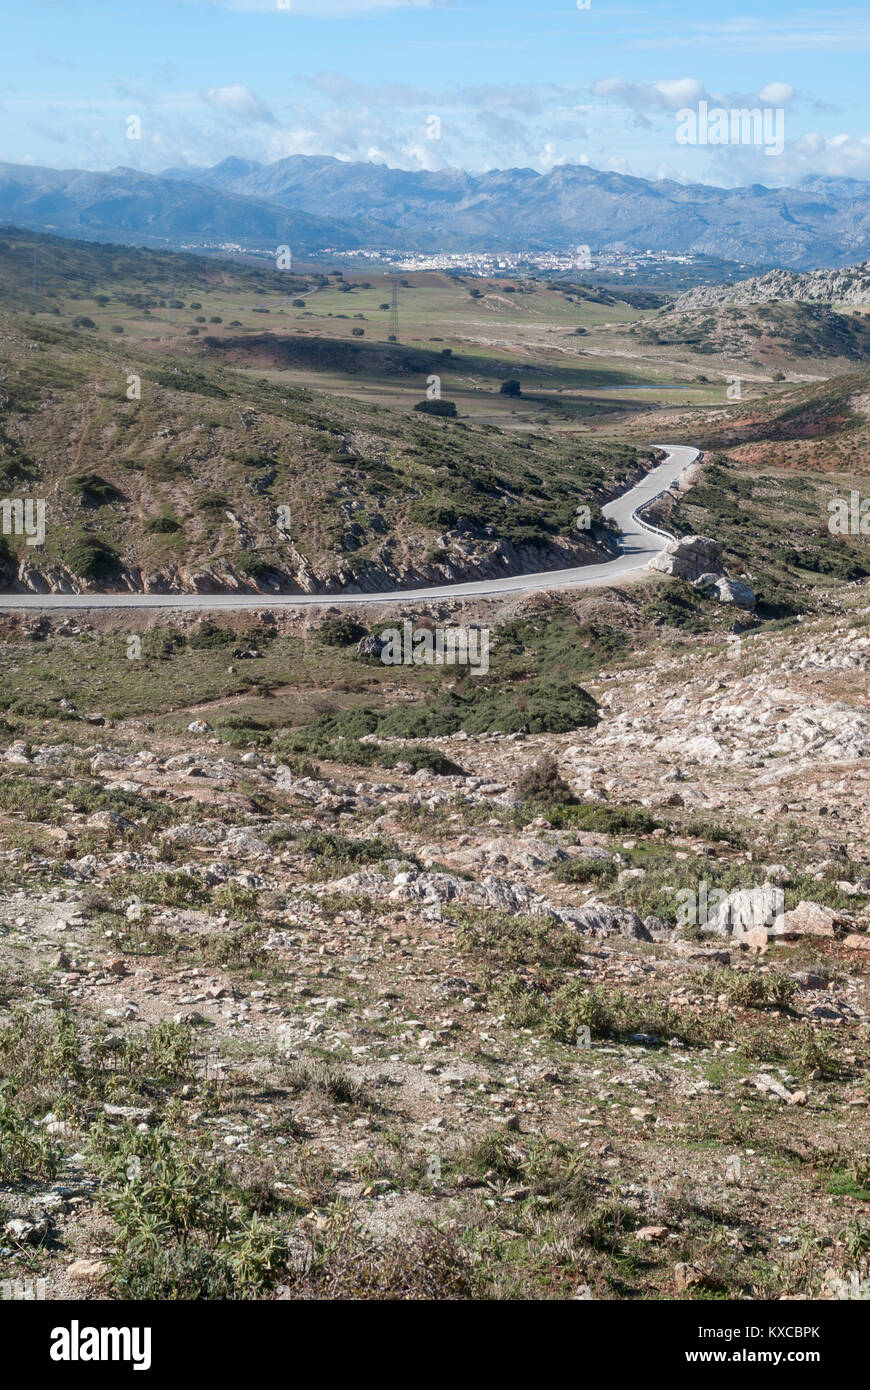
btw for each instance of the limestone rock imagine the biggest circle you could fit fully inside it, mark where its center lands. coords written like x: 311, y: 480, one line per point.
x: 87, y: 1271
x: 689, y: 557
x: 733, y: 591
x: 807, y: 919
x: 748, y: 911
x: 598, y: 919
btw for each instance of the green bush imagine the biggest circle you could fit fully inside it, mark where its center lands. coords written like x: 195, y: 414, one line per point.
x: 597, y: 816
x: 341, y: 632
x: 161, y: 526
x: 92, y: 558
x: 539, y: 707
x: 443, y: 408
x: 208, y: 636
x: 542, y: 782
x: 90, y: 487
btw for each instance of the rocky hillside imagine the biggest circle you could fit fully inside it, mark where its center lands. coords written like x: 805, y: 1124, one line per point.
x: 576, y: 1014
x: 833, y: 417
x: 770, y: 334
x: 204, y: 479
x: 849, y: 286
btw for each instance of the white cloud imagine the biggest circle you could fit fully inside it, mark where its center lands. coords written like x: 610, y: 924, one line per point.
x: 675, y: 94
x: 239, y: 101
x: 670, y: 95
x: 834, y: 156
x: 777, y: 94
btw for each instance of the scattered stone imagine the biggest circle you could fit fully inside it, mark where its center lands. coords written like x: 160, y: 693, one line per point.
x: 87, y: 1272
x: 807, y: 919
x: 689, y: 1276
x: 23, y: 1232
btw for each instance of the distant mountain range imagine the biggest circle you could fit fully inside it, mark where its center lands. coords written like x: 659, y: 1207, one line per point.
x: 126, y: 206
x: 314, y: 202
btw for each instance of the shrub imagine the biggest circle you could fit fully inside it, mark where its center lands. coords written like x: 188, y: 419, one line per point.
x: 213, y: 502
x: 445, y: 408
x: 586, y: 870
x: 161, y: 525
x: 26, y: 1153
x: 91, y: 488
x: 604, y: 819
x: 208, y: 635
x: 542, y: 782
x: 539, y: 708
x: 179, y: 1236
x: 341, y: 632
x: 254, y: 567
x: 92, y: 558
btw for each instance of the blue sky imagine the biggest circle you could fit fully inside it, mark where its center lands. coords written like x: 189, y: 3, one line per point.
x: 511, y: 84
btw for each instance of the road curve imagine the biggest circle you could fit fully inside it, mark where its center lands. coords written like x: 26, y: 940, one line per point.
x: 639, y: 543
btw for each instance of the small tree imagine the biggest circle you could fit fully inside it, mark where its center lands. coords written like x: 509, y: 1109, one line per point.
x: 511, y: 387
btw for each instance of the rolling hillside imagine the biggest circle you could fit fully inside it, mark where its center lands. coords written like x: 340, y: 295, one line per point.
x: 767, y: 333
x: 164, y: 468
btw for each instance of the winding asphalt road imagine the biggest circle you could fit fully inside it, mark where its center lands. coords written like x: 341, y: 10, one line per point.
x: 639, y: 543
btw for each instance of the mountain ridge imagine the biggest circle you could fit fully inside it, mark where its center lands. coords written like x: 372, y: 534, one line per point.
x: 570, y: 204
x: 315, y: 203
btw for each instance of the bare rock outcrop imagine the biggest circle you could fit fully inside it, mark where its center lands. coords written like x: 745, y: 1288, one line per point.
x: 734, y: 592
x: 689, y: 557
x: 746, y: 910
